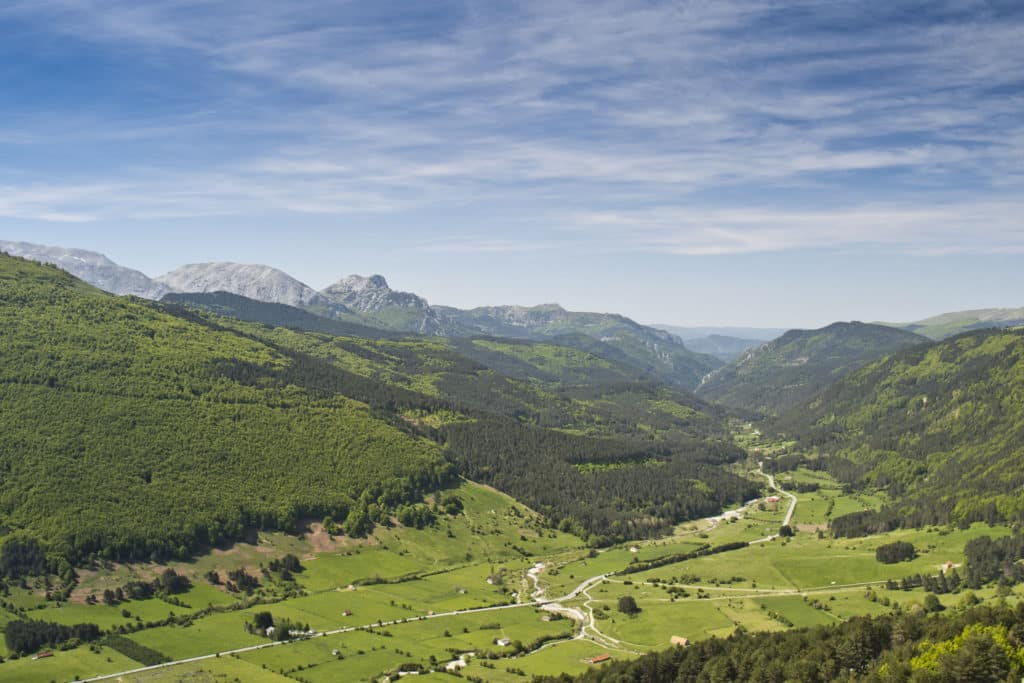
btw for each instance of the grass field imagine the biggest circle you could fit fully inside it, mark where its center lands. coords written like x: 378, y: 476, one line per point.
x: 65, y: 666
x: 480, y: 559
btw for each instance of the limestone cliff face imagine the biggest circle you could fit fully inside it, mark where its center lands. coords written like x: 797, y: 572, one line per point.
x: 259, y: 282
x: 397, y: 310
x: 92, y: 267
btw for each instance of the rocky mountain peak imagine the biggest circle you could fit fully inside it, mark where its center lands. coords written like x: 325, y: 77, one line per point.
x: 253, y: 281
x: 398, y: 310
x: 359, y: 283
x: 90, y: 266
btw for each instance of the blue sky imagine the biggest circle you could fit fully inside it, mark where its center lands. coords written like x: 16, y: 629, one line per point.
x: 749, y: 163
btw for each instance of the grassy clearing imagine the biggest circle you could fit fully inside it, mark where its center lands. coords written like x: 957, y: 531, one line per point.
x: 570, y: 657
x: 801, y: 581
x: 65, y: 666
x: 210, y: 671
x: 362, y: 655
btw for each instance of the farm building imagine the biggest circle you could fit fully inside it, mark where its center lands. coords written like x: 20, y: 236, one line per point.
x: 680, y: 641
x: 503, y: 642
x: 600, y: 658
x: 772, y: 499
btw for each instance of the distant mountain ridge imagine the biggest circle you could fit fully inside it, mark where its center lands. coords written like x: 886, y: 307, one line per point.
x: 252, y: 281
x: 661, y: 353
x: 274, y: 314
x: 790, y: 370
x: 948, y: 324
x: 92, y: 267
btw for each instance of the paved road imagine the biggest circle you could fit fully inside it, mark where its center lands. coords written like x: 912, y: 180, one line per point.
x: 588, y: 630
x: 789, y: 513
x: 552, y: 605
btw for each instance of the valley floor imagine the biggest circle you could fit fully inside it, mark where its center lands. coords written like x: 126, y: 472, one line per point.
x: 493, y: 582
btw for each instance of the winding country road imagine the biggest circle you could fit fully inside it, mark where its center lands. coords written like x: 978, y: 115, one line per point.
x: 588, y: 623
x: 789, y: 513
x: 549, y: 605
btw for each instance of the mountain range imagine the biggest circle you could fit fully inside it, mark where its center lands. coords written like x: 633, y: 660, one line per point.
x: 370, y: 302
x: 681, y: 356
x: 91, y: 267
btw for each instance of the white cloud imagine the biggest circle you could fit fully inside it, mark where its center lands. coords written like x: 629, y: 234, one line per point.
x: 994, y: 227
x: 587, y: 109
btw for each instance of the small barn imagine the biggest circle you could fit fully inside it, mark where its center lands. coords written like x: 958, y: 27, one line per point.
x: 679, y: 641
x: 600, y: 658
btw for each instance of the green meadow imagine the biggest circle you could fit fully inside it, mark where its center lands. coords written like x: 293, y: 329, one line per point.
x: 392, y: 593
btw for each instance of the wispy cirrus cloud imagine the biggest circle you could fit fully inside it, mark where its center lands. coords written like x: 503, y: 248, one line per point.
x: 829, y: 125
x: 937, y: 229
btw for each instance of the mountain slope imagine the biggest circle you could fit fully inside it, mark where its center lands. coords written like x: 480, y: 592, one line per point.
x: 275, y: 315
x: 94, y: 268
x: 949, y: 324
x: 372, y: 297
x: 259, y: 282
x: 137, y: 430
x: 791, y: 369
x: 645, y: 348
x: 940, y: 426
x: 130, y: 432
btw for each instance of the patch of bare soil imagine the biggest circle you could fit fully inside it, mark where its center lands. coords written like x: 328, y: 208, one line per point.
x: 322, y: 542
x: 93, y: 582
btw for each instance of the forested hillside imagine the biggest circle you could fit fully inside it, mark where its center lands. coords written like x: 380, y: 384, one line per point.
x: 613, y: 433
x: 645, y: 349
x: 941, y: 427
x: 586, y: 386
x: 128, y: 433
x: 137, y: 430
x: 783, y: 373
x: 273, y: 314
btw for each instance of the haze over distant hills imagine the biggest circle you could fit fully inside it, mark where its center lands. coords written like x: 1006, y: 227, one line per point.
x: 724, y: 343
x: 697, y: 332
x: 722, y: 347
